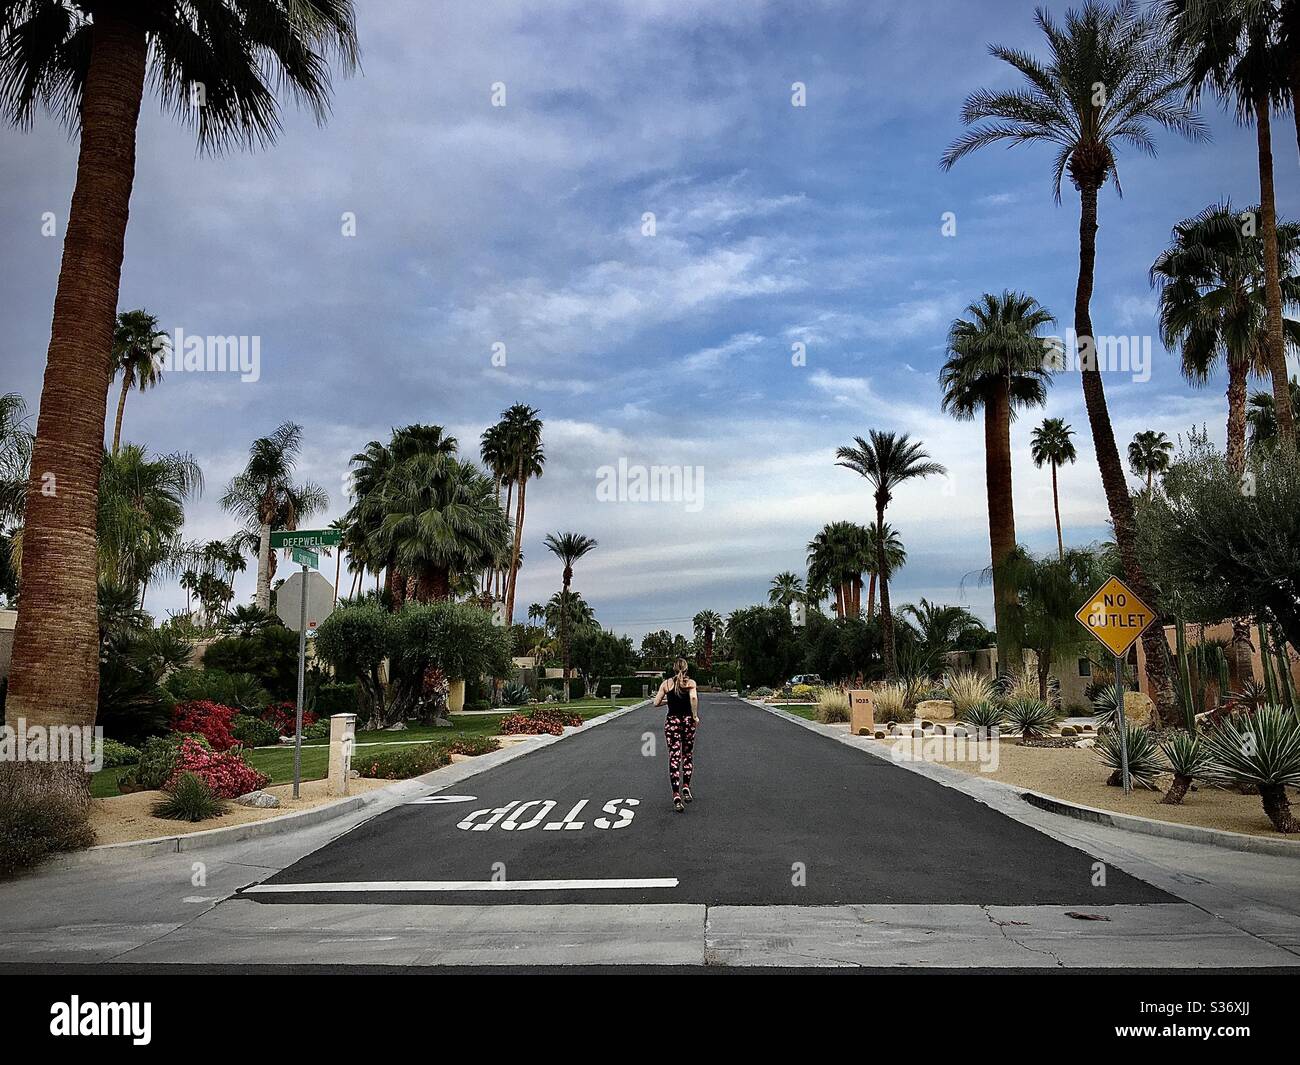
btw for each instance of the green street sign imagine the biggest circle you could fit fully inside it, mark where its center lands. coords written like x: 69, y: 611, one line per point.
x: 304, y: 557
x: 309, y: 538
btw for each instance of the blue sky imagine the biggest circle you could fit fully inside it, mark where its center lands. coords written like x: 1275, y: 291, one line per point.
x: 522, y: 225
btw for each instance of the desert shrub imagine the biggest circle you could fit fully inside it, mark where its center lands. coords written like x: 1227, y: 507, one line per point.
x: 518, y: 694
x: 225, y: 772
x: 832, y: 706
x: 1188, y: 758
x: 210, y: 720
x: 801, y: 692
x: 159, y: 758
x: 1031, y: 717
x: 188, y: 798
x: 401, y: 763
x: 1014, y: 687
x: 891, y: 704
x: 983, y: 715
x: 474, y: 745
x: 915, y: 688
x: 763, y: 691
x: 1145, y: 761
x: 283, y: 717
x: 254, y: 732
x: 119, y: 754
x: 37, y: 821
x: 1263, y: 749
x: 540, y: 720
x: 966, y: 689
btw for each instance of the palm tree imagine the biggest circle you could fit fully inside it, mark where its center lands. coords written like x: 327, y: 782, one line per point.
x: 1108, y: 81
x: 138, y: 355
x: 15, y: 456
x: 786, y: 588
x: 1213, y: 306
x: 1236, y: 50
x: 88, y: 64
x: 1261, y: 420
x: 523, y: 436
x: 568, y: 548
x: 837, y: 558
x: 996, y: 364
x: 941, y: 628
x: 536, y: 612
x: 895, y: 559
x: 1051, y: 445
x: 707, y: 624
x: 1148, y: 454
x: 887, y: 461
x: 341, y: 526
x: 496, y: 457
x: 265, y: 496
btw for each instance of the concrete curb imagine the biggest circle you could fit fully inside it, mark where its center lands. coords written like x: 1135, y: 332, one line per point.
x: 1210, y: 837
x: 384, y: 798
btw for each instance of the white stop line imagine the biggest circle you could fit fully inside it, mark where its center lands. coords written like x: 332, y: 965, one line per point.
x: 521, y: 815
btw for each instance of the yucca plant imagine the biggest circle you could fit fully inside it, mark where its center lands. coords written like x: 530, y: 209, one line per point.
x: 1263, y: 749
x: 1189, y: 758
x: 1145, y: 762
x: 891, y: 703
x: 1031, y: 717
x: 1103, y: 704
x: 966, y: 688
x: 983, y: 715
x: 832, y: 706
x: 189, y: 799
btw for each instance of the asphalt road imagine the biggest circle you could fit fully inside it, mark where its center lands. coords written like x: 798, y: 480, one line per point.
x: 782, y: 816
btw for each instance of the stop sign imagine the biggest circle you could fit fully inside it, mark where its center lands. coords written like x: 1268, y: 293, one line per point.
x: 320, y: 599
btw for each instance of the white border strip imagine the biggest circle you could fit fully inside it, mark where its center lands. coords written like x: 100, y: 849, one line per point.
x: 359, y: 886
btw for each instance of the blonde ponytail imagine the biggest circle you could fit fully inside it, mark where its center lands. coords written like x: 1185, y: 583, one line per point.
x: 679, y: 668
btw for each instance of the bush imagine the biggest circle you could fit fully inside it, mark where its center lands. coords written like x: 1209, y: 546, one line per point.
x: 270, y: 655
x: 479, y: 704
x: 401, y: 763
x: 1104, y: 699
x: 188, y: 799
x: 832, y: 706
x: 475, y: 745
x: 1144, y: 759
x: 283, y: 717
x: 240, y: 690
x: 1031, y: 717
x: 1189, y: 758
x: 210, y: 720
x: 225, y: 772
x: 982, y: 715
x: 334, y: 699
x: 967, y: 689
x: 119, y: 754
x: 159, y: 758
x: 891, y: 704
x: 631, y: 686
x: 254, y: 732
x: 518, y: 694
x: 319, y: 730
x: 37, y: 821
x: 541, y: 720
x: 1263, y: 749
x: 801, y: 692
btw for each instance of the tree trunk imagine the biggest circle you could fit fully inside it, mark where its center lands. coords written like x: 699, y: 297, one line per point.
x: 871, y: 597
x: 55, y: 672
x: 564, y: 634
x: 263, y: 597
x: 1118, y: 500
x: 1278, y: 807
x: 1174, y: 796
x: 1044, y: 673
x: 500, y: 580
x: 1056, y: 506
x: 1272, y: 282
x: 1002, y: 526
x: 514, y: 557
x: 886, y: 616
x: 1237, y: 385
x: 855, y: 603
x: 121, y: 406
x: 338, y: 571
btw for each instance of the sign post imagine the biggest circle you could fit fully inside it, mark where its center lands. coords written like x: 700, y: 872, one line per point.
x: 1117, y: 617
x: 301, y: 544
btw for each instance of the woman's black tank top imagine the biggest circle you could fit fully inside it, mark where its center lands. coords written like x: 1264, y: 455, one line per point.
x: 679, y: 702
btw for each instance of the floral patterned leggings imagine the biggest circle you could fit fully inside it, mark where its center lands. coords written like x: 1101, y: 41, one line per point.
x: 680, y: 734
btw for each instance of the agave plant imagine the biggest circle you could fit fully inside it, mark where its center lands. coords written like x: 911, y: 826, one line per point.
x: 1103, y: 704
x: 983, y: 715
x: 1031, y: 717
x: 1189, y: 758
x: 966, y: 688
x: 516, y: 694
x: 891, y: 703
x: 1145, y: 762
x: 1262, y: 748
x: 1250, y: 696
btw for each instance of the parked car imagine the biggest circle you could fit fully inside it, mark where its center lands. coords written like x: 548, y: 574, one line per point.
x: 806, y: 678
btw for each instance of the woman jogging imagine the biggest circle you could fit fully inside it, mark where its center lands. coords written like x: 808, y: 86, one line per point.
x: 678, y: 691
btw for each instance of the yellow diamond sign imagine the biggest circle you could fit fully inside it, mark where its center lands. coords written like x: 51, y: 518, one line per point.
x: 1115, y: 615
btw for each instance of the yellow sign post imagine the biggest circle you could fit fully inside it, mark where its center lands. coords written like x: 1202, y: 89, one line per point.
x: 1116, y: 617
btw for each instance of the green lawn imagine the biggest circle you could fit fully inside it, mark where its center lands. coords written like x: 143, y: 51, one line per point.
x: 808, y: 711
x: 277, y: 762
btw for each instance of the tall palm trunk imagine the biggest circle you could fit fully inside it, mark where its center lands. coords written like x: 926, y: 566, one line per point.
x: 55, y: 672
x: 1272, y: 282
x: 1002, y: 524
x: 500, y: 578
x: 338, y: 570
x: 564, y: 628
x: 886, y: 615
x: 1118, y: 499
x: 263, y: 596
x: 855, y: 603
x: 514, y: 556
x: 1237, y: 387
x: 121, y: 407
x: 871, y: 597
x: 1056, y: 506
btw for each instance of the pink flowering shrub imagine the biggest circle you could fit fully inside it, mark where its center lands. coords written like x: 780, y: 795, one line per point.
x: 225, y: 772
x: 210, y: 720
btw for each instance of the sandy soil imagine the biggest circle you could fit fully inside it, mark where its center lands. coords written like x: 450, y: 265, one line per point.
x: 126, y: 818
x: 1079, y: 776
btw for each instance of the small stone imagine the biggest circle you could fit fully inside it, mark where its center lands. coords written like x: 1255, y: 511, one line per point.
x: 262, y: 800
x: 918, y: 734
x: 927, y: 724
x: 399, y: 726
x: 354, y: 774
x: 940, y: 730
x: 881, y: 734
